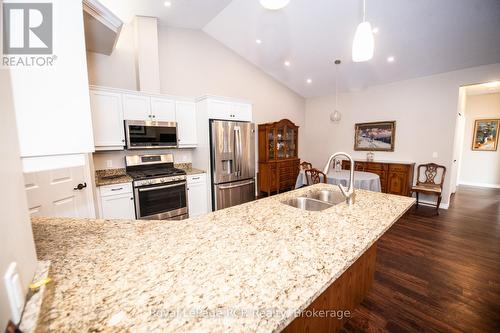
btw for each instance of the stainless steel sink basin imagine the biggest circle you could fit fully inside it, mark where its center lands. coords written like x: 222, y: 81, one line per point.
x: 332, y: 197
x: 317, y: 201
x: 308, y: 204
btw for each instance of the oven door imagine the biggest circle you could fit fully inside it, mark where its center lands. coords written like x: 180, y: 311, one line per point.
x: 161, y: 201
x: 150, y: 134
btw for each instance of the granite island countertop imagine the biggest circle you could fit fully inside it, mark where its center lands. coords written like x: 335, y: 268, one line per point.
x: 247, y: 268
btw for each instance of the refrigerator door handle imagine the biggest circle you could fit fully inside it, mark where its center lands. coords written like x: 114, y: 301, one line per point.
x: 238, y: 149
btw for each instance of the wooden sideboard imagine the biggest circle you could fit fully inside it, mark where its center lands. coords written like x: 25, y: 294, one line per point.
x: 278, y: 160
x: 395, y: 177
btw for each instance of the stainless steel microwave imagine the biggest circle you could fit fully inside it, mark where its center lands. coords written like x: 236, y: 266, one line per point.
x: 150, y: 134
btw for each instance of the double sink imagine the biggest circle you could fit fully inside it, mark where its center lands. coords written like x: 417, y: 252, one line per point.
x: 317, y: 200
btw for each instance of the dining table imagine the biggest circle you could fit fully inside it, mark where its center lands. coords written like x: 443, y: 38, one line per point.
x: 362, y: 180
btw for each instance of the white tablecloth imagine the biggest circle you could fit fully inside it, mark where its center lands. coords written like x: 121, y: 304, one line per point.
x: 363, y: 180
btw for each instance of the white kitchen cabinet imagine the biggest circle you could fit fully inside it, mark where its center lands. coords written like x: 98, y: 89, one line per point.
x: 107, y: 120
x: 163, y: 109
x: 197, y: 194
x: 117, y: 201
x: 185, y: 114
x: 228, y: 110
x: 52, y: 102
x: 136, y: 107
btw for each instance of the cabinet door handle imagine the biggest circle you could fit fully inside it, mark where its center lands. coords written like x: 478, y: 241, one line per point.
x: 195, y: 178
x: 132, y: 198
x: 154, y: 116
x: 117, y: 189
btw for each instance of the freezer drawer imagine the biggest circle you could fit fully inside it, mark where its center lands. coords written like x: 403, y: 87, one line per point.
x: 234, y: 193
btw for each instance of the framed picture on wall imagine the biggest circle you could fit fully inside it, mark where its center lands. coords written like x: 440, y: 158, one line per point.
x: 485, y: 136
x: 377, y: 136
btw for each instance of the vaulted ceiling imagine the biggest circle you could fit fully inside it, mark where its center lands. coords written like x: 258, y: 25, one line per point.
x: 425, y: 37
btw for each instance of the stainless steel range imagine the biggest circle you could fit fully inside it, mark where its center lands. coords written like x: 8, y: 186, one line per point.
x: 160, y: 190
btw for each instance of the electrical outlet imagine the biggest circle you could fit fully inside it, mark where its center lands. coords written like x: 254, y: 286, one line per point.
x: 15, y: 293
x: 435, y: 154
x: 109, y: 163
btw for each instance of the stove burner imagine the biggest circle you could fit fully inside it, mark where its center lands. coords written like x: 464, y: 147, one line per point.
x: 160, y: 172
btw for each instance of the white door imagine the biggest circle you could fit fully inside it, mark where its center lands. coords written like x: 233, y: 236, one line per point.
x: 55, y: 193
x: 107, y: 119
x: 163, y: 109
x: 136, y: 107
x: 118, y: 206
x: 197, y: 195
x: 185, y: 114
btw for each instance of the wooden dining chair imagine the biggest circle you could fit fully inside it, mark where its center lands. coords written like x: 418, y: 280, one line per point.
x: 306, y: 165
x: 313, y: 176
x: 430, y: 180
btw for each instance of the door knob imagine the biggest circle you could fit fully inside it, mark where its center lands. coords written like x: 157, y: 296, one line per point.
x: 80, y: 186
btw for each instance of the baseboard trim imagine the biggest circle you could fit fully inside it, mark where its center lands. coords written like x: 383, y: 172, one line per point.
x: 479, y: 184
x: 433, y: 204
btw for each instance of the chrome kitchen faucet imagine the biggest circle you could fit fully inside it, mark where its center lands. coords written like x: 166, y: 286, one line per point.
x: 348, y: 193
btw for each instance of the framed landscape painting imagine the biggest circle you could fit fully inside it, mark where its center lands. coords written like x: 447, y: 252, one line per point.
x: 485, y: 136
x: 378, y: 136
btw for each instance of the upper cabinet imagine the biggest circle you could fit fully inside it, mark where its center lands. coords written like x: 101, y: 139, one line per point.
x: 163, y: 109
x: 225, y: 109
x: 51, y: 99
x: 107, y: 120
x: 136, y: 107
x: 185, y: 113
x: 110, y: 107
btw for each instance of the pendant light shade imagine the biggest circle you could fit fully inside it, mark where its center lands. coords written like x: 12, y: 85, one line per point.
x: 274, y: 4
x: 335, y: 116
x: 364, y: 44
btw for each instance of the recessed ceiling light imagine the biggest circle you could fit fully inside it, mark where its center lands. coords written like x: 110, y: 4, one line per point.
x: 375, y: 30
x: 167, y: 4
x: 309, y: 81
x: 274, y: 4
x: 390, y: 59
x: 258, y: 41
x: 287, y: 63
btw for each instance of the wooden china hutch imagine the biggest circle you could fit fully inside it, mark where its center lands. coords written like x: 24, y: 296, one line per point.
x: 278, y: 156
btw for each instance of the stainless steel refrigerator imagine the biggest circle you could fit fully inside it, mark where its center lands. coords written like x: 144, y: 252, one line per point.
x: 232, y: 155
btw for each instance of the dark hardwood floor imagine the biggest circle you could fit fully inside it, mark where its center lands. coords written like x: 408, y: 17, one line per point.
x: 438, y: 273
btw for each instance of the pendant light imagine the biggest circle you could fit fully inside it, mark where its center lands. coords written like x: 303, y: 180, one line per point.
x: 335, y: 116
x: 274, y: 4
x: 363, y: 44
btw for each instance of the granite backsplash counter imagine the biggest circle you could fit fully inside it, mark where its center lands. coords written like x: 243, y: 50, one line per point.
x: 247, y: 268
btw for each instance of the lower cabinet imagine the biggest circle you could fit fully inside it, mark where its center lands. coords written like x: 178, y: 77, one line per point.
x: 197, y: 194
x: 117, y: 201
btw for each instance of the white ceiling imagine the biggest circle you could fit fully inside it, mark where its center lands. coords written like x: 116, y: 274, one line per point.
x: 425, y: 37
x: 189, y: 14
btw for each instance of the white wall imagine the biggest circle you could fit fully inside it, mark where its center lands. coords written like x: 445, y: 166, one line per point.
x: 16, y: 237
x: 194, y: 64
x: 480, y: 167
x: 424, y: 109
